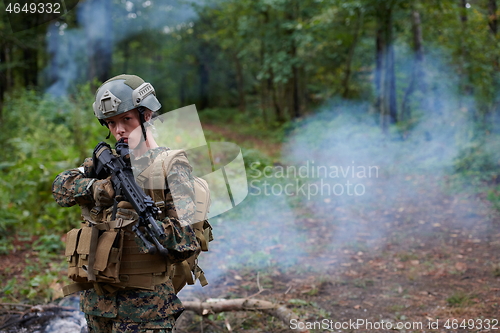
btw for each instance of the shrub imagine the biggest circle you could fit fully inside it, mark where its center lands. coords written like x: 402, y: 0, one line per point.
x: 40, y: 137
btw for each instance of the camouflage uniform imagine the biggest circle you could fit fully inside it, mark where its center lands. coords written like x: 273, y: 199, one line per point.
x: 137, y: 310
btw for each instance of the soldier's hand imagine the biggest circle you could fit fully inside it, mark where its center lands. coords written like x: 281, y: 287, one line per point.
x: 126, y: 211
x: 103, y: 192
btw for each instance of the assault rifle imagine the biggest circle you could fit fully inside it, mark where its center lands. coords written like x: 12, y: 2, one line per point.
x: 122, y: 178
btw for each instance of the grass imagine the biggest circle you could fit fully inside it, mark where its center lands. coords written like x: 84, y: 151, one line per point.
x: 41, y: 277
x: 460, y: 299
x: 44, y: 265
x: 249, y: 124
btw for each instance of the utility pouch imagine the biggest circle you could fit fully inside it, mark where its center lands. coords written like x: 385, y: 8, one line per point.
x: 87, y: 244
x: 94, y: 255
x: 203, y: 231
x: 107, y: 263
x: 188, y: 271
x: 72, y: 256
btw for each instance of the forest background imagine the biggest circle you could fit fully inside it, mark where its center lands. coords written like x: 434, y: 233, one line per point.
x: 409, y: 86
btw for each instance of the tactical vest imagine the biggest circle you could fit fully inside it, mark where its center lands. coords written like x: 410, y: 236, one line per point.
x: 104, y: 254
x: 152, y: 179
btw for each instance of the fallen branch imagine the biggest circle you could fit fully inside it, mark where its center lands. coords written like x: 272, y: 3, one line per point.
x: 10, y: 308
x: 244, y: 304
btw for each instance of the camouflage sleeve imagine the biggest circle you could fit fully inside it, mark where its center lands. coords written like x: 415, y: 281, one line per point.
x: 181, y: 239
x: 74, y: 186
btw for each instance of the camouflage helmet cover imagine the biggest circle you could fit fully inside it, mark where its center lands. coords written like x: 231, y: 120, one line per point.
x: 123, y: 93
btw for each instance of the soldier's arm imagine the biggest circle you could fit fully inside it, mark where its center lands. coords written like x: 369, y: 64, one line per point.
x: 181, y: 239
x: 74, y: 186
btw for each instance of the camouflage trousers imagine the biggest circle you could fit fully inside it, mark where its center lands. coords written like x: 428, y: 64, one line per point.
x: 116, y: 325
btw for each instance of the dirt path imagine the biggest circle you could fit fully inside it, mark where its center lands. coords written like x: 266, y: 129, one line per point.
x: 420, y: 261
x: 414, y: 260
x: 254, y: 142
x: 423, y: 275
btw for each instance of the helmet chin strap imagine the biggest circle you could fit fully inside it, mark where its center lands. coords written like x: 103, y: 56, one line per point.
x: 142, y: 120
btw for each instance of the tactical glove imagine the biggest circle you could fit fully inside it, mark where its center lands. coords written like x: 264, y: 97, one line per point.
x: 126, y: 211
x: 103, y: 192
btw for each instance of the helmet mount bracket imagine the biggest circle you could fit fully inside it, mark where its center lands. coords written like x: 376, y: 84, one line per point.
x: 109, y: 103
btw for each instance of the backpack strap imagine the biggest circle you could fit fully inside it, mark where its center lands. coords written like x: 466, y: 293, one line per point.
x: 202, y: 197
x: 153, y: 181
x: 153, y: 178
x: 78, y: 286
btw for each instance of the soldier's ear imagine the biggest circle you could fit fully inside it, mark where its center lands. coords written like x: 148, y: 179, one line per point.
x: 148, y: 114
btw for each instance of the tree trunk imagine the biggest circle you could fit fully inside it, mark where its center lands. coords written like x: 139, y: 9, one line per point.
x: 465, y: 88
x: 30, y: 70
x: 9, y: 73
x: 126, y: 55
x: 240, y: 83
x: 391, y: 73
x: 492, y: 16
x: 296, y: 92
x: 182, y: 90
x: 203, y: 86
x: 275, y: 98
x: 463, y: 11
x: 3, y: 78
x: 417, y: 80
x: 263, y: 92
x: 294, y: 103
x: 264, y: 82
x: 303, y: 91
x: 263, y: 101
x: 350, y: 55
x: 379, y: 47
x: 493, y: 24
x: 386, y: 81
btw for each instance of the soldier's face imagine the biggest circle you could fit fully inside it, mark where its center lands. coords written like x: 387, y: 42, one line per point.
x: 122, y: 126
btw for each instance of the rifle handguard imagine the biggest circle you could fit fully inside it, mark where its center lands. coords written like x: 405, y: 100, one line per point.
x: 124, y: 183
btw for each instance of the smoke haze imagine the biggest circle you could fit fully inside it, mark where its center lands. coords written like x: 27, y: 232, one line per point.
x: 103, y: 24
x: 342, y: 185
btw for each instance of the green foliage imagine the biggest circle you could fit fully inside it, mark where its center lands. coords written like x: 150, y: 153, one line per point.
x: 39, y: 282
x: 493, y: 195
x: 255, y: 160
x: 459, y: 299
x: 477, y: 168
x: 255, y: 258
x: 49, y: 243
x: 249, y: 124
x: 481, y: 157
x: 218, y: 115
x: 6, y: 246
x: 298, y: 302
x: 41, y: 136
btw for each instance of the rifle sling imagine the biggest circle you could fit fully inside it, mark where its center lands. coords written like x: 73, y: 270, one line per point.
x: 118, y: 223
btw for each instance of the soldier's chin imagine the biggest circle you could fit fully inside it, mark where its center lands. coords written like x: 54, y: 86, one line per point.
x: 133, y: 144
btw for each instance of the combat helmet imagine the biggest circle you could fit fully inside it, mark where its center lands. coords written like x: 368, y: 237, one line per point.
x: 123, y: 93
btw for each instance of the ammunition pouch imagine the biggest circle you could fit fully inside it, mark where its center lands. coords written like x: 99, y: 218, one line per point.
x: 103, y: 253
x: 106, y: 257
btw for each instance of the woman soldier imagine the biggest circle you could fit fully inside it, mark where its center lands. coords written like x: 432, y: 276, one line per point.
x: 133, y: 292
